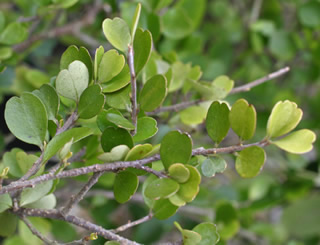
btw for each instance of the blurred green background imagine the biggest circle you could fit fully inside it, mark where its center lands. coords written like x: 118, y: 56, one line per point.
x: 245, y: 40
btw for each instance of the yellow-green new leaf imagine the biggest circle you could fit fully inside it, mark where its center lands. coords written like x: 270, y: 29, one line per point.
x: 72, y: 82
x: 284, y: 117
x: 117, y: 32
x: 250, y: 161
x: 298, y: 142
x: 179, y: 172
x: 243, y: 119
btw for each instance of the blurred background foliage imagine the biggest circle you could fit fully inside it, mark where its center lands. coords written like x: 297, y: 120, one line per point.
x: 242, y: 39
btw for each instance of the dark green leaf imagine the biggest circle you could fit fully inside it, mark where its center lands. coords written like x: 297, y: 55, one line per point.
x: 142, y: 49
x: 227, y: 220
x: 125, y: 185
x: 112, y: 137
x: 309, y: 14
x: 8, y: 224
x: 163, y: 209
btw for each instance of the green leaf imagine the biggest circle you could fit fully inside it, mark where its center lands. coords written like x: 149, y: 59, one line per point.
x: 2, y: 20
x: 58, y: 141
x: 125, y: 185
x: 102, y: 120
x: 120, y: 99
x: 243, y: 119
x: 120, y: 121
x: 227, y: 220
x: 91, y: 102
x: 153, y: 93
x: 175, y: 147
x: 5, y: 202
x: 163, y: 209
x: 213, y: 165
x: 309, y: 14
x: 193, y: 115
x: 72, y: 82
x: 65, y: 3
x: 41, y: 224
x: 177, y: 200
x: 14, y: 33
x: 282, y: 46
x: 112, y: 137
x: 250, y: 161
x: 189, y: 237
x: 111, y: 65
x: 135, y: 20
x: 30, y: 195
x: 118, y: 82
x: 189, y: 190
x: 112, y: 243
x: 208, y: 232
x: 146, y: 128
x: 161, y: 188
x: 285, y: 116
x: 5, y: 53
x: 298, y: 142
x: 179, y: 172
x: 49, y: 97
x: 138, y: 152
x: 117, y: 32
x: 8, y: 224
x: 24, y: 162
x: 46, y: 202
x: 221, y: 86
x: 217, y: 121
x: 26, y: 118
x: 73, y: 53
x: 142, y: 46
x: 97, y: 59
x: 117, y: 153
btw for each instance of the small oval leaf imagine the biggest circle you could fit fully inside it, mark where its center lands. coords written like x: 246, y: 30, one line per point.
x: 161, y: 188
x: 125, y: 185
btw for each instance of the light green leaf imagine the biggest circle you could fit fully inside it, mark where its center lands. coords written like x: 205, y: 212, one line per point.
x: 8, y: 224
x: 117, y: 153
x: 298, y: 142
x: 189, y: 237
x: 73, y: 53
x: 112, y: 137
x: 5, y: 202
x: 26, y: 118
x: 91, y: 102
x: 58, y: 141
x: 49, y: 97
x: 5, y: 53
x: 111, y: 65
x: 175, y: 147
x: 138, y: 152
x: 30, y: 195
x: 213, y: 165
x: 14, y: 33
x: 97, y: 59
x: 177, y: 200
x: 161, y: 188
x: 65, y: 3
x: 221, y: 86
x: 250, y: 161
x: 179, y: 172
x: 163, y: 209
x: 117, y: 32
x: 146, y: 128
x: 120, y: 99
x: 208, y: 232
x: 217, y: 121
x: 193, y: 115
x: 309, y: 14
x: 153, y: 93
x: 125, y: 185
x: 118, y: 82
x: 135, y: 20
x: 285, y: 116
x: 46, y: 202
x: 120, y: 121
x: 24, y: 162
x: 72, y: 82
x: 142, y: 46
x: 243, y: 119
x: 189, y: 190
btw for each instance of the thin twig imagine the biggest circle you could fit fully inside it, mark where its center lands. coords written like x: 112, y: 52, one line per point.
x: 74, y: 200
x: 69, y: 123
x: 34, y: 168
x: 134, y: 112
x: 36, y: 232
x: 134, y: 223
x: 247, y: 87
x: 176, y: 107
x: 152, y: 171
x: 55, y: 214
x: 112, y: 167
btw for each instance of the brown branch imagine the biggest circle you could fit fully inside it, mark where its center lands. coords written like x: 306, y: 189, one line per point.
x: 55, y: 214
x: 112, y: 167
x: 132, y: 224
x: 78, y: 197
x: 134, y: 107
x: 36, y: 232
x: 243, y: 88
